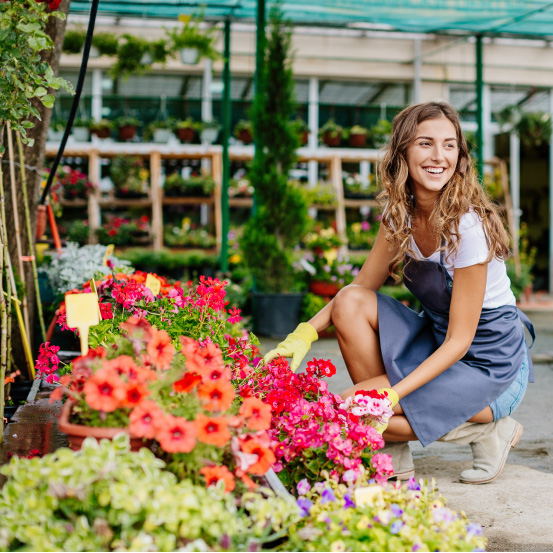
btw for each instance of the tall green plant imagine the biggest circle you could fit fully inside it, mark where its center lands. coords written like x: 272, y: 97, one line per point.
x: 281, y: 217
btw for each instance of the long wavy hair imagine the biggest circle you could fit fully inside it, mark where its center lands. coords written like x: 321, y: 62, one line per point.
x: 462, y: 193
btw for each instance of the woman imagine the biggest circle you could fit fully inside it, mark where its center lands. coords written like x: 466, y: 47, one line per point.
x: 460, y: 367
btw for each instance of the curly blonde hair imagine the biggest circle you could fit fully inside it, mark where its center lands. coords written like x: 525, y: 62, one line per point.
x: 462, y: 193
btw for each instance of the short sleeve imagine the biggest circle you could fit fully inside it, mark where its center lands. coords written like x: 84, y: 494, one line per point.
x: 473, y: 248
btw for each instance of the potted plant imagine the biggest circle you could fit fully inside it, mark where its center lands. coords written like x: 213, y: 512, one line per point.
x: 244, y: 131
x: 302, y: 130
x: 158, y: 131
x: 106, y: 43
x: 126, y: 127
x: 185, y: 130
x: 56, y: 129
x: 279, y: 223
x: 73, y: 41
x: 331, y: 133
x: 362, y: 234
x: 133, y: 56
x: 198, y: 185
x: 188, y: 235
x: 209, y: 131
x: 74, y: 183
x: 358, y: 136
x: 129, y: 176
x: 380, y: 133
x: 101, y: 129
x: 81, y: 130
x: 192, y: 42
x: 356, y: 189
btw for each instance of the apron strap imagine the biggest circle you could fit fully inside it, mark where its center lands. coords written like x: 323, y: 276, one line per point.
x: 528, y: 324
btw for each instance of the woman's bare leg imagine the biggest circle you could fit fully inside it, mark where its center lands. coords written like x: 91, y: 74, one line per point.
x: 355, y: 317
x: 486, y: 415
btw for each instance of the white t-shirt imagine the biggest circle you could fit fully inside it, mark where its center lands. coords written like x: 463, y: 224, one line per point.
x: 473, y: 250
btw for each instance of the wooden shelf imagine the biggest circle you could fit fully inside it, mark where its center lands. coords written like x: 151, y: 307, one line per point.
x: 187, y: 200
x: 240, y: 202
x: 360, y: 203
x: 79, y: 202
x: 120, y: 202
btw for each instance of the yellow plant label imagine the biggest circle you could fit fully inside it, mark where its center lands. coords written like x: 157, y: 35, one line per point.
x: 153, y: 284
x: 109, y: 251
x: 184, y: 17
x: 82, y: 313
x: 92, y: 283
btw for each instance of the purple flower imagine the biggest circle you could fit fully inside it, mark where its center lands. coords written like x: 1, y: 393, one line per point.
x: 225, y: 541
x: 303, y: 486
x: 474, y: 529
x: 412, y: 485
x: 416, y: 547
x: 328, y: 496
x: 397, y: 510
x: 305, y: 505
x: 443, y: 514
x: 396, y: 526
x: 348, y: 502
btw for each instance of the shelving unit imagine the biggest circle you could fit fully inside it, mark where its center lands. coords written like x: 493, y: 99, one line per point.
x: 157, y: 153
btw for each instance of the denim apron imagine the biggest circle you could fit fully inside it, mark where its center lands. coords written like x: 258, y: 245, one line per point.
x: 408, y: 338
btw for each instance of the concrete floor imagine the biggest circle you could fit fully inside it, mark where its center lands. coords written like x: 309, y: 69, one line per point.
x: 516, y: 510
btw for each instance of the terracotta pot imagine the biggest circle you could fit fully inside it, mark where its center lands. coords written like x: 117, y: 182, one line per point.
x: 332, y: 140
x: 40, y: 221
x: 304, y: 138
x: 323, y: 288
x: 102, y: 132
x: 245, y: 136
x: 186, y: 134
x: 78, y: 432
x: 126, y: 133
x: 357, y: 140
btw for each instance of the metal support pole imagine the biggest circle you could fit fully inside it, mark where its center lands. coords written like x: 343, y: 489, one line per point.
x: 479, y: 111
x: 96, y: 107
x: 551, y: 198
x: 313, y: 123
x: 487, y: 132
x: 514, y: 177
x: 226, y: 113
x: 417, y: 81
x: 207, y: 104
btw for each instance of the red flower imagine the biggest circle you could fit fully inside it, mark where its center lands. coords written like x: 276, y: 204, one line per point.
x: 257, y: 414
x: 212, y: 430
x: 176, y: 435
x: 265, y: 457
x: 218, y: 395
x: 134, y: 394
x: 104, y: 390
x: 144, y: 419
x: 212, y: 475
x: 320, y: 368
x: 160, y: 349
x: 187, y: 383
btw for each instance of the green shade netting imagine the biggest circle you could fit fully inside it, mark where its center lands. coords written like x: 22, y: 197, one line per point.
x: 515, y: 17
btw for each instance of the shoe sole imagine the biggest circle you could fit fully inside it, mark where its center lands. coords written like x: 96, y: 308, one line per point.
x: 406, y: 475
x: 514, y: 442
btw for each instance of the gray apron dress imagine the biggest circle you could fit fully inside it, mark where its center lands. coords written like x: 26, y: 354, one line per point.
x: 408, y: 338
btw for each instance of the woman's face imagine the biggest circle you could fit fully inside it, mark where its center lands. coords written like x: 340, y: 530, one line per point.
x: 432, y: 157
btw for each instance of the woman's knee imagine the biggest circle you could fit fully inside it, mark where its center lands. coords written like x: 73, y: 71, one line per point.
x: 352, y: 302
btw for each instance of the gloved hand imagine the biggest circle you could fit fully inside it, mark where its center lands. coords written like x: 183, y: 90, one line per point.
x: 394, y: 399
x: 295, y: 345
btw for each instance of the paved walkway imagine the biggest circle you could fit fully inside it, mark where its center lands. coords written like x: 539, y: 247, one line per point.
x: 516, y: 510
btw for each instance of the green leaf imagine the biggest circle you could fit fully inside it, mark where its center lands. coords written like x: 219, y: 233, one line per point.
x: 48, y: 100
x: 40, y: 91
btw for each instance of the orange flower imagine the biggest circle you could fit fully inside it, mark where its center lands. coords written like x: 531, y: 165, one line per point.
x: 250, y: 484
x: 187, y: 383
x: 265, y: 457
x: 257, y: 413
x: 136, y: 326
x: 135, y: 392
x: 124, y: 364
x: 160, y: 349
x: 145, y: 418
x: 212, y: 430
x: 104, y: 390
x: 176, y: 435
x: 212, y: 475
x: 218, y: 395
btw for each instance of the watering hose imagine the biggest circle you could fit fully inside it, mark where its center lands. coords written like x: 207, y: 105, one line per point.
x: 76, y: 98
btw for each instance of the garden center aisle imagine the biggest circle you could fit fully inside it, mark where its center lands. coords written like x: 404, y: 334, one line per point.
x: 506, y: 508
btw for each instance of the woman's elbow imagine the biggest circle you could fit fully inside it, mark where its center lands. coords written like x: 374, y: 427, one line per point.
x: 460, y: 344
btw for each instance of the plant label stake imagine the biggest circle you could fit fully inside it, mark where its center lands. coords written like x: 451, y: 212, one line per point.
x: 92, y: 283
x: 153, y: 283
x: 82, y: 313
x: 109, y: 251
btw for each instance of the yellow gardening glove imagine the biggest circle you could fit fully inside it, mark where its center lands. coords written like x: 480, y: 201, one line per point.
x: 295, y: 345
x: 394, y: 398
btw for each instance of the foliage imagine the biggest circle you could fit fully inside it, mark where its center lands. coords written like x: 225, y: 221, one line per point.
x: 190, y: 35
x: 131, y: 52
x: 128, y: 174
x: 187, y: 123
x: 74, y: 265
x: 362, y: 234
x: 331, y: 129
x: 154, y: 126
x: 122, y: 232
x: 322, y: 239
x: 72, y: 183
x: 73, y: 41
x: 311, y: 305
x: 281, y: 217
x: 198, y: 185
x: 355, y: 188
x: 243, y: 126
x: 165, y: 260
x: 188, y: 235
x: 329, y: 267
x: 400, y: 293
x: 358, y: 129
x: 106, y: 43
x: 103, y: 124
x: 77, y: 231
x: 395, y: 517
x: 533, y: 128
x: 321, y: 194
x: 380, y: 133
x: 23, y: 75
x: 126, y: 120
x: 527, y: 254
x: 106, y: 498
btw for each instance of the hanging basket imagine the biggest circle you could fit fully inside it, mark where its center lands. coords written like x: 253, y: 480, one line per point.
x: 189, y: 56
x: 209, y: 136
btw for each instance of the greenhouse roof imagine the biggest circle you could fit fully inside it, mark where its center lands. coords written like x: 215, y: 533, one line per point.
x: 529, y: 18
